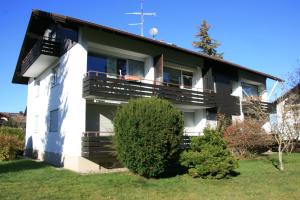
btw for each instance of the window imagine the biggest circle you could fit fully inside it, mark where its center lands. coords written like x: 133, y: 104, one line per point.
x: 187, y: 79
x: 211, y: 114
x: 97, y: 63
x: 250, y: 90
x: 112, y: 66
x: 115, y: 66
x: 136, y: 68
x: 189, y: 119
x: 53, y: 121
x: 121, y: 66
x: 172, y: 76
x: 178, y: 77
x: 54, y: 77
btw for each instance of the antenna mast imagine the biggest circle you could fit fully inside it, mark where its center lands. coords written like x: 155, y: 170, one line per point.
x: 142, y: 14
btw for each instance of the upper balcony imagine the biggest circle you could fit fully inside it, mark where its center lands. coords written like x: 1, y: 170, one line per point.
x: 103, y: 86
x: 43, y: 53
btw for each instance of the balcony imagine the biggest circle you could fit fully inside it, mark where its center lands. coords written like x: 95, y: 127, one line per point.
x: 43, y: 53
x: 97, y: 85
x: 255, y: 104
x: 99, y: 148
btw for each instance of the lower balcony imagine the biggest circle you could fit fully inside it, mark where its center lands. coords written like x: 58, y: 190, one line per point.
x: 103, y: 86
x: 99, y: 148
x: 43, y: 53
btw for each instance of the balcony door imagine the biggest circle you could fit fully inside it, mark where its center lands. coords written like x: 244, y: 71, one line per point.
x: 96, y: 64
x: 178, y: 78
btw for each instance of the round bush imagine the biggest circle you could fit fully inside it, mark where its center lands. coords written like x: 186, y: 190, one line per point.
x: 148, y: 134
x: 208, y: 156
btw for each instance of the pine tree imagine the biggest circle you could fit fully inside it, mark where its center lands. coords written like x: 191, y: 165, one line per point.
x: 207, y: 45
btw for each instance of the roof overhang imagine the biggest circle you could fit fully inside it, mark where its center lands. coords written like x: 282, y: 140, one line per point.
x: 41, y: 19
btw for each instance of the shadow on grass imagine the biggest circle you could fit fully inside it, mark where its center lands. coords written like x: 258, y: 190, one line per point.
x: 176, y: 170
x: 272, y: 160
x: 20, y: 165
x: 173, y: 170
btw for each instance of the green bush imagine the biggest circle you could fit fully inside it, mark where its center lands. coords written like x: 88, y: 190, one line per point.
x: 18, y: 132
x: 148, y: 134
x: 10, y: 145
x: 208, y: 156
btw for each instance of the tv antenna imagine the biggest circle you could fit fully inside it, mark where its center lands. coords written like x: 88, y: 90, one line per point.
x: 142, y: 14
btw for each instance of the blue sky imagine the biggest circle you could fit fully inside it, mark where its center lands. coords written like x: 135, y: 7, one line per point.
x: 259, y: 34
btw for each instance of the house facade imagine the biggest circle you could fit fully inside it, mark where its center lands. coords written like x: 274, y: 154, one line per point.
x: 288, y: 113
x: 78, y: 73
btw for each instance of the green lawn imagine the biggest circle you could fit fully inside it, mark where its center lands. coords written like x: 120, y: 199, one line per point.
x: 258, y: 179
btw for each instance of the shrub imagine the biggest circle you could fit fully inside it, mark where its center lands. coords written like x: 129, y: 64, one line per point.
x: 10, y: 135
x: 18, y: 132
x: 247, y: 138
x: 10, y: 145
x: 208, y: 156
x: 148, y: 135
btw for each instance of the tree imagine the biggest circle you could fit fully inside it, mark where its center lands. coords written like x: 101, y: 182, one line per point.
x: 207, y: 45
x: 286, y: 129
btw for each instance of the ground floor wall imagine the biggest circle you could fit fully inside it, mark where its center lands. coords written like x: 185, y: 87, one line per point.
x: 99, y: 118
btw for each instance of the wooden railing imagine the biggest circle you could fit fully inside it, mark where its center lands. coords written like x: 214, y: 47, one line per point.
x: 114, y: 87
x: 99, y: 148
x: 44, y: 46
x: 249, y: 104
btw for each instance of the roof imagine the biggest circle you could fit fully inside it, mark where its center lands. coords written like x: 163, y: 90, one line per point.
x: 83, y: 23
x: 295, y: 89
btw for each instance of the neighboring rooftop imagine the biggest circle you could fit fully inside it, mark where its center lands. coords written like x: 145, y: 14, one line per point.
x: 35, y: 27
x: 293, y: 90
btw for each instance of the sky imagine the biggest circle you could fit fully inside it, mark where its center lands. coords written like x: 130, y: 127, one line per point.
x: 260, y: 34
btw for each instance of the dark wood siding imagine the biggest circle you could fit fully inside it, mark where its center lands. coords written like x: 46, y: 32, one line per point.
x: 223, y: 78
x: 158, y: 67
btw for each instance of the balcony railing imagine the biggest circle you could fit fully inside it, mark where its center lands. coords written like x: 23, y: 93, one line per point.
x: 105, y: 86
x: 45, y: 46
x: 99, y: 148
x: 254, y: 104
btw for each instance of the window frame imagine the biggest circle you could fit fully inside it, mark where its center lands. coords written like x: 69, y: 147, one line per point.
x: 181, y: 80
x: 50, y: 121
x: 245, y: 94
x: 116, y: 58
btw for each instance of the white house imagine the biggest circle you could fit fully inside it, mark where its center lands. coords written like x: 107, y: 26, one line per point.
x: 288, y: 113
x: 78, y: 72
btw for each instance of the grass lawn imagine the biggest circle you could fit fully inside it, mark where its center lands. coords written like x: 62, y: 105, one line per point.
x: 258, y: 179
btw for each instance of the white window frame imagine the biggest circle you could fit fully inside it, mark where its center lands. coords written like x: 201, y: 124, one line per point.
x: 55, y: 129
x: 181, y: 69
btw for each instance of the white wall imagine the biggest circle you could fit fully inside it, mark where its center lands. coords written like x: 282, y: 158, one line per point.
x: 197, y: 79
x: 66, y: 96
x: 149, y: 69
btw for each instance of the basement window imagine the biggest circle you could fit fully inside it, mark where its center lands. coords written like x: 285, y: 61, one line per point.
x: 53, y: 126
